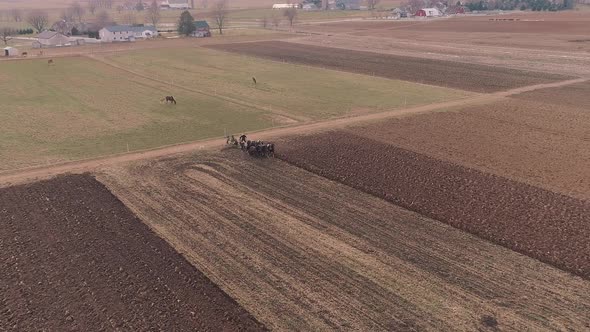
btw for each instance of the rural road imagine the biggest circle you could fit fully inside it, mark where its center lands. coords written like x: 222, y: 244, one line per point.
x: 25, y: 175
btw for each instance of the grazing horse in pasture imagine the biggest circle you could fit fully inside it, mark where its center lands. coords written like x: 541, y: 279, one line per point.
x: 49, y: 62
x: 24, y: 54
x: 169, y: 99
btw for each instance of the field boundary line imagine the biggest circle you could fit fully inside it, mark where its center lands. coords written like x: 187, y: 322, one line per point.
x: 24, y: 175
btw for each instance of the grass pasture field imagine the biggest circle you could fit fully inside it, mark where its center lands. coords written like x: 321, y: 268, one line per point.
x: 81, y: 107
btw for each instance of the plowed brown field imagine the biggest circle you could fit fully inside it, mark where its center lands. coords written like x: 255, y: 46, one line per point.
x: 304, y: 253
x: 471, y: 77
x: 543, y: 144
x: 542, y: 224
x: 74, y: 258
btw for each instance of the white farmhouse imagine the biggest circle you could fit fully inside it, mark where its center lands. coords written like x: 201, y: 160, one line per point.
x: 176, y: 4
x: 285, y: 5
x: 120, y: 33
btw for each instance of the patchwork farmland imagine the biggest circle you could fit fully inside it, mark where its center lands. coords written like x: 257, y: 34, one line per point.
x: 426, y: 178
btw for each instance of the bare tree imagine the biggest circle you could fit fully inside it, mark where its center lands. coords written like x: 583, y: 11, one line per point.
x: 67, y: 15
x: 264, y: 22
x: 6, y: 34
x: 415, y: 5
x: 153, y: 13
x: 120, y: 8
x: 16, y: 14
x: 220, y: 11
x: 290, y: 14
x: 371, y: 4
x: 103, y: 19
x: 92, y: 6
x: 78, y: 11
x: 204, y: 4
x: 38, y: 19
x: 129, y: 18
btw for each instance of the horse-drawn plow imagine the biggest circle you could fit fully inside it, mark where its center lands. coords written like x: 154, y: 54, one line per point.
x: 257, y: 149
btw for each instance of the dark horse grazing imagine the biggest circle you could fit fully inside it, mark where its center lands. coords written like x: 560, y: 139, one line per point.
x: 49, y: 62
x: 169, y: 99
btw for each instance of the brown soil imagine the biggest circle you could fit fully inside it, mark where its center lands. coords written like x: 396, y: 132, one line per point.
x: 304, y: 253
x: 539, y: 223
x: 566, y: 31
x: 575, y: 95
x: 75, y: 258
x: 546, y: 145
x: 478, y: 78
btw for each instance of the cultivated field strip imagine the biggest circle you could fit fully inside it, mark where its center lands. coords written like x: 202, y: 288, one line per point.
x: 304, y: 253
x: 540, y: 223
x: 74, y: 258
x: 451, y: 74
x: 542, y: 144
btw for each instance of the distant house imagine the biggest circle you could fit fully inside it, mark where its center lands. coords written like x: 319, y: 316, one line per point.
x: 310, y: 6
x: 175, y: 4
x: 10, y: 51
x: 51, y: 39
x: 286, y: 5
x: 428, y: 12
x: 202, y: 29
x: 122, y: 33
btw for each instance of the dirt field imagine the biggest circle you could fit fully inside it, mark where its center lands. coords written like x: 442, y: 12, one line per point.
x: 542, y: 144
x: 476, y: 78
x: 575, y: 96
x: 565, y: 31
x: 530, y: 220
x: 304, y: 253
x: 75, y: 258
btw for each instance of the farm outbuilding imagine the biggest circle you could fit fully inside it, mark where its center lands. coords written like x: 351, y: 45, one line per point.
x: 428, y: 12
x: 202, y: 29
x: 10, y: 51
x: 51, y: 39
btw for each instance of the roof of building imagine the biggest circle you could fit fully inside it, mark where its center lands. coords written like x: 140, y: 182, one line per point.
x: 201, y: 24
x: 121, y: 28
x: 176, y: 2
x: 47, y: 34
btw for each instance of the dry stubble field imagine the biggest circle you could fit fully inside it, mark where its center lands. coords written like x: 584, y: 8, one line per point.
x: 301, y: 252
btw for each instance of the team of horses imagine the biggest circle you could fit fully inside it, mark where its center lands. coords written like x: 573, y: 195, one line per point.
x: 253, y: 148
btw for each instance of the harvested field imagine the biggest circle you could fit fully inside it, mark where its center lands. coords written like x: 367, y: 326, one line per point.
x: 539, y: 223
x: 542, y: 144
x: 304, y: 253
x: 470, y: 77
x: 74, y: 258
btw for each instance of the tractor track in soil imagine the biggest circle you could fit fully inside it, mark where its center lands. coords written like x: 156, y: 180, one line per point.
x: 30, y: 174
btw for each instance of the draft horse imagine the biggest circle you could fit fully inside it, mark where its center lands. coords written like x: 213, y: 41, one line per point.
x: 169, y: 99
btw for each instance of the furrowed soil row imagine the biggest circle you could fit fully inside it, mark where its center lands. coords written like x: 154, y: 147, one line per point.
x: 304, y: 253
x: 75, y: 258
x: 465, y: 76
x: 539, y: 223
